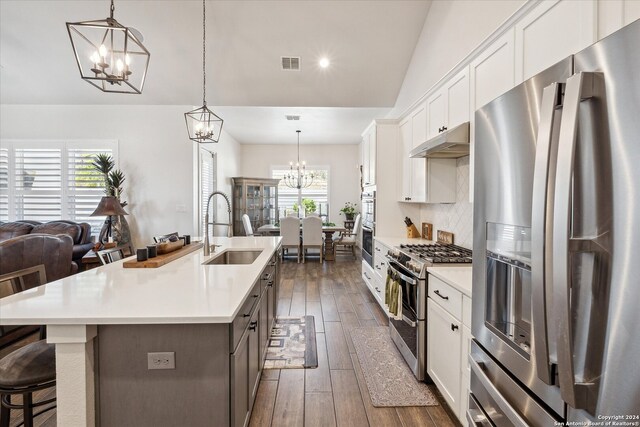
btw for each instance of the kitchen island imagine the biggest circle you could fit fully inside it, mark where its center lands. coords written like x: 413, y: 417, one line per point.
x: 206, y: 324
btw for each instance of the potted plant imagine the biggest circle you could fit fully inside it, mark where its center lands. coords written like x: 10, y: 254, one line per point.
x: 349, y: 210
x: 309, y: 206
x: 113, y: 180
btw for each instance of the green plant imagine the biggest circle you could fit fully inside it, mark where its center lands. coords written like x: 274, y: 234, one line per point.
x: 309, y: 206
x: 348, y: 209
x: 113, y: 178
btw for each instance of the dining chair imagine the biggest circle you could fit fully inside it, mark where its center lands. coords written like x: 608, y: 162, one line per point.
x: 290, y: 232
x: 349, y: 239
x: 311, y: 235
x: 31, y: 367
x: 248, y: 230
x: 107, y: 256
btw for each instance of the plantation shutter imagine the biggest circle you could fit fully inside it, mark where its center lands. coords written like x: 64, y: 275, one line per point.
x: 4, y: 184
x: 85, y: 186
x: 207, y: 186
x: 51, y: 180
x: 37, y: 177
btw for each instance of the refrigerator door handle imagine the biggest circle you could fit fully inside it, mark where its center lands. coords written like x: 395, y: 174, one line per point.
x: 579, y: 87
x: 541, y: 230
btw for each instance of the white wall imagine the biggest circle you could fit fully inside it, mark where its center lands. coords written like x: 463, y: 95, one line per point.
x: 343, y: 161
x: 451, y: 31
x: 154, y: 153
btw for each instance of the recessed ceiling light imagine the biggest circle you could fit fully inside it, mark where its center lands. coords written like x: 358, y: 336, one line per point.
x: 324, y: 62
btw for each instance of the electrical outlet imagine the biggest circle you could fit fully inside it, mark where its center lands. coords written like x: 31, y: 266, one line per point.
x: 162, y: 360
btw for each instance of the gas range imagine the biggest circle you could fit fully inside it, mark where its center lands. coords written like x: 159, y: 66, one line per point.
x: 417, y: 257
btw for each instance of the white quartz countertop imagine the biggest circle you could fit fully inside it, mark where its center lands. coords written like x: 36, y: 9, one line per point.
x: 458, y: 277
x: 182, y: 291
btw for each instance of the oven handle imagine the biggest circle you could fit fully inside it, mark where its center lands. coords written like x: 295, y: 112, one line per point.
x: 407, y: 279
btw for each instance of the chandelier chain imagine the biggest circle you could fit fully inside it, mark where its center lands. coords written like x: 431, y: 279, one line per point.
x: 112, y: 9
x: 204, y: 53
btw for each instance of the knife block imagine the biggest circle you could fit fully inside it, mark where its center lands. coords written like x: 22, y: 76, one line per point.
x: 412, y: 232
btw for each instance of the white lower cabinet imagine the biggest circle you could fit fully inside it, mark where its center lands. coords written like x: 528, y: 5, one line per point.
x: 449, y: 343
x: 373, y: 283
x: 444, y: 340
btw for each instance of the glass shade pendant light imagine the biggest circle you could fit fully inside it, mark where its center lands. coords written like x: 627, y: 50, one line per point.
x: 110, y: 56
x: 203, y: 125
x: 298, y: 177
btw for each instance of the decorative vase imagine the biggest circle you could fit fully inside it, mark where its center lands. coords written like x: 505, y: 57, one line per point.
x: 349, y: 217
x: 119, y: 230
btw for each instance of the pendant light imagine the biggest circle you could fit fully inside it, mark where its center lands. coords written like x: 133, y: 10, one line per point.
x: 203, y: 125
x: 298, y: 176
x: 110, y: 56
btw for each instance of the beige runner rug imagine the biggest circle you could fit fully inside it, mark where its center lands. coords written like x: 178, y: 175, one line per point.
x: 389, y: 379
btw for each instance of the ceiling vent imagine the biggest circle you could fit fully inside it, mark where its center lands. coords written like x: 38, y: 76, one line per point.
x: 292, y: 117
x: 290, y: 63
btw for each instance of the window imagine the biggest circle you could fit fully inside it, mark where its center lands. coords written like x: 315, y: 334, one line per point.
x: 207, y: 182
x: 49, y: 180
x: 318, y: 191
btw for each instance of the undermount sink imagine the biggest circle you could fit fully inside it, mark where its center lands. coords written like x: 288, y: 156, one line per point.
x: 231, y: 257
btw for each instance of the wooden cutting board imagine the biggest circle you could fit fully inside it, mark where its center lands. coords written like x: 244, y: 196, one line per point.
x: 163, y: 259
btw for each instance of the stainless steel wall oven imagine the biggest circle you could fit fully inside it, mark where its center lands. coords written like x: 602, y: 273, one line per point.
x: 368, y: 224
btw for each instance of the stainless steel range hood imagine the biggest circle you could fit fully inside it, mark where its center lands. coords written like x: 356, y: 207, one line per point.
x: 450, y: 144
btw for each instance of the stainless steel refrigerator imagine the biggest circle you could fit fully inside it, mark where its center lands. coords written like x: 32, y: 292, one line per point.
x: 556, y: 256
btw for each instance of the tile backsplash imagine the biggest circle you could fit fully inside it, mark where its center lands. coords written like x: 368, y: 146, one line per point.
x: 454, y: 217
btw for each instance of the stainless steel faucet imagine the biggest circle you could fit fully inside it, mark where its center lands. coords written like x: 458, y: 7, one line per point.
x: 207, y: 247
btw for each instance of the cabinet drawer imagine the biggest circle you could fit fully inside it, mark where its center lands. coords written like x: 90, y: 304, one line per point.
x: 466, y: 311
x: 244, y: 315
x: 446, y: 296
x: 380, y: 268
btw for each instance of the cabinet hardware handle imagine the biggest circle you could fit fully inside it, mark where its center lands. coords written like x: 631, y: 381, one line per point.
x: 246, y: 315
x: 252, y: 325
x: 377, y: 290
x: 378, y: 267
x: 437, y: 292
x: 270, y: 284
x: 454, y: 327
x: 256, y: 295
x: 366, y: 275
x: 378, y: 249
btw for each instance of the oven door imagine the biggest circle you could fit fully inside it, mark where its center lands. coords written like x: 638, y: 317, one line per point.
x: 409, y: 332
x: 367, y: 245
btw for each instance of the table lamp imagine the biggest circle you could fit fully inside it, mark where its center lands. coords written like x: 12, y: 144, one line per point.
x: 109, y: 205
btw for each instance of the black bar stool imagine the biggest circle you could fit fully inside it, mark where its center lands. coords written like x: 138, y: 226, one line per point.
x: 27, y: 369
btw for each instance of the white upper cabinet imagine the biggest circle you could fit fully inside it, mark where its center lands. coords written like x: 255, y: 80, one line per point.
x: 551, y: 32
x: 419, y: 125
x: 457, y: 90
x: 369, y: 156
x: 436, y: 106
x: 406, y: 144
x: 492, y: 72
x: 449, y: 106
x: 615, y: 14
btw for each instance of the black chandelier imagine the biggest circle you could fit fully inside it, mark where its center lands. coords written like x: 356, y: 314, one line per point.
x: 203, y: 125
x: 110, y: 56
x: 298, y: 176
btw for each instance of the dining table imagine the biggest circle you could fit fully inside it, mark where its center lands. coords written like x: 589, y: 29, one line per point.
x: 328, y: 230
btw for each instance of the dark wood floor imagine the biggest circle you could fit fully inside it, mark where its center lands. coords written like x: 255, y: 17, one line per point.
x: 335, y: 393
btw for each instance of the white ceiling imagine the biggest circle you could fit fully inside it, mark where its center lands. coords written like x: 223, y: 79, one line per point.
x: 369, y: 43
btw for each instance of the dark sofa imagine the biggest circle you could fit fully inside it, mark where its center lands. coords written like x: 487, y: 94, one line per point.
x: 80, y: 233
